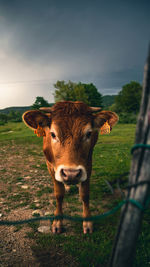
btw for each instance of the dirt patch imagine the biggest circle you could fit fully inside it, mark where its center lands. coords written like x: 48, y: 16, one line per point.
x: 15, y: 247
x: 51, y: 257
x: 25, y: 186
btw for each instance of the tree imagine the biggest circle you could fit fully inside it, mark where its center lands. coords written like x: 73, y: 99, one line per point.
x: 14, y: 116
x: 80, y: 93
x: 94, y: 97
x: 70, y: 91
x: 64, y: 91
x: 128, y: 99
x: 3, y: 118
x: 40, y: 102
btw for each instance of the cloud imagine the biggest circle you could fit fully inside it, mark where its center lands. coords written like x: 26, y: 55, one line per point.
x: 22, y: 95
x: 79, y: 41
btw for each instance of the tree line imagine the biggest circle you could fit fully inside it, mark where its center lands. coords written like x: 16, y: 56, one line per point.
x: 126, y: 103
x: 13, y: 116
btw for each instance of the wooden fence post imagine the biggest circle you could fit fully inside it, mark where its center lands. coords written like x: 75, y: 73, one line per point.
x: 131, y: 216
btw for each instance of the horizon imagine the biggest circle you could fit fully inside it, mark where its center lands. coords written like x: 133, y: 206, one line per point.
x: 33, y: 103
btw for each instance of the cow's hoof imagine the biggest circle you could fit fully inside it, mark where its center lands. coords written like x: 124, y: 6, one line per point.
x: 57, y: 227
x: 87, y: 227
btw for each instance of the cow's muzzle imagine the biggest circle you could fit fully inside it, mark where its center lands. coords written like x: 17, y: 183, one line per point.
x: 71, y: 175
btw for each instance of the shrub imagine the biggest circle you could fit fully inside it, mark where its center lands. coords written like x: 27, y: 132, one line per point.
x: 3, y: 118
x: 127, y: 118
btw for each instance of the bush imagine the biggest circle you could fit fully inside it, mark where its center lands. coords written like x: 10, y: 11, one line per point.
x: 2, y: 123
x: 129, y: 98
x: 3, y: 118
x: 127, y: 118
x: 14, y: 116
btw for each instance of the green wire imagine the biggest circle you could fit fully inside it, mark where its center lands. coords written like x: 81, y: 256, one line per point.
x: 79, y: 219
x: 139, y: 146
x: 93, y: 218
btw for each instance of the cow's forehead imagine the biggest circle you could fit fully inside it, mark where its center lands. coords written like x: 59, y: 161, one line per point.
x: 71, y: 109
x: 71, y: 126
x: 71, y: 118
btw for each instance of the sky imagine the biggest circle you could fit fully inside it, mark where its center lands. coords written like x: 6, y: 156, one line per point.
x: 42, y: 41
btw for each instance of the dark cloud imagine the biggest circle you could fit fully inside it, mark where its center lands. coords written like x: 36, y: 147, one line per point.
x: 92, y: 41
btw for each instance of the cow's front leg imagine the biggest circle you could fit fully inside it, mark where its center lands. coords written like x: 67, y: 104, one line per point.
x: 84, y: 194
x: 59, y: 192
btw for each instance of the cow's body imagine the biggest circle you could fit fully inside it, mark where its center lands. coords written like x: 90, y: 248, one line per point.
x: 70, y: 131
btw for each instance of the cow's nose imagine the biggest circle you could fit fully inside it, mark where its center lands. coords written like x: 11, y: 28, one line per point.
x: 71, y: 175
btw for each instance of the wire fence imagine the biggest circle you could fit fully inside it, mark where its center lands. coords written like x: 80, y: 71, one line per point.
x: 96, y: 217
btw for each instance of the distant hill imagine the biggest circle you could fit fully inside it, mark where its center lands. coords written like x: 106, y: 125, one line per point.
x: 19, y: 109
x: 108, y: 100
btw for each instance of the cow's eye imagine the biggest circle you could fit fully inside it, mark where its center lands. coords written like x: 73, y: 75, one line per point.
x: 88, y: 134
x: 53, y: 135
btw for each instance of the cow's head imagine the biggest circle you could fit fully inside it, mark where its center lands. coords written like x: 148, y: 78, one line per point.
x: 70, y: 131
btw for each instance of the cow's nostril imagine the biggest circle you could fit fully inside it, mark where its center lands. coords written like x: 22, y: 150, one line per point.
x: 63, y: 173
x: 79, y: 173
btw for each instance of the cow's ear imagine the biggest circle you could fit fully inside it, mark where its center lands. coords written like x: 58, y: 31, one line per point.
x: 105, y: 116
x: 36, y: 118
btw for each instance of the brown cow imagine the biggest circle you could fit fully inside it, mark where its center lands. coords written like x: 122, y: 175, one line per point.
x: 70, y: 131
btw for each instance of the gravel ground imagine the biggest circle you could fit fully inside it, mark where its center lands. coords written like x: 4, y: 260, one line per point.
x: 25, y: 186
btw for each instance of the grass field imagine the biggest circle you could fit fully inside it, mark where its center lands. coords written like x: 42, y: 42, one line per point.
x: 25, y: 186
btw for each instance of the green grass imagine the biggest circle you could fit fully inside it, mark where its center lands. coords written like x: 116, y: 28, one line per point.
x: 111, y: 161
x: 44, y: 190
x: 19, y: 133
